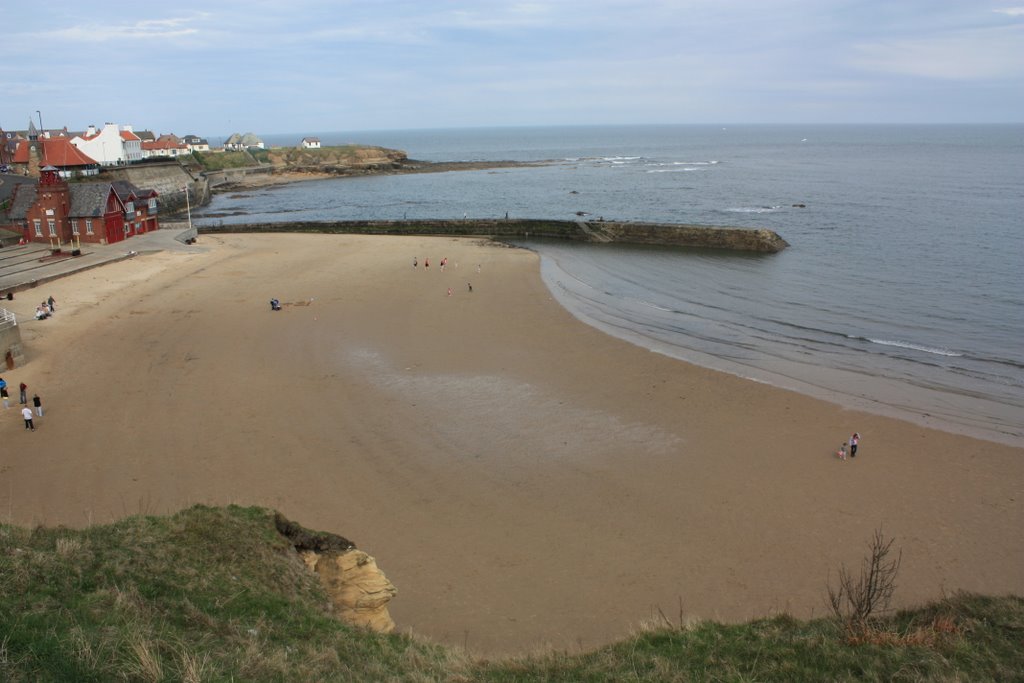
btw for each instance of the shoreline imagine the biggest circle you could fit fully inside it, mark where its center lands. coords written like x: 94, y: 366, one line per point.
x: 526, y: 480
x: 288, y: 175
x: 898, y: 401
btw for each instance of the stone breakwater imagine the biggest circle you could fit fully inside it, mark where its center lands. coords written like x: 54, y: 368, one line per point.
x: 660, y: 234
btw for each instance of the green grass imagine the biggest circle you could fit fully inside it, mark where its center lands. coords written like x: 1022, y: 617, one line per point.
x: 218, y: 161
x: 216, y: 594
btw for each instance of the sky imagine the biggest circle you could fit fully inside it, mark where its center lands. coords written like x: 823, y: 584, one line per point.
x: 216, y: 67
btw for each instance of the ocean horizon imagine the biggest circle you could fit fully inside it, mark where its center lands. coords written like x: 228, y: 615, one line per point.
x: 900, y: 292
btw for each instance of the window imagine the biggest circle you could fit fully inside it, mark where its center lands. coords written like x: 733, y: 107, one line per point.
x: 74, y: 226
x: 38, y: 224
x: 52, y: 225
x: 88, y: 226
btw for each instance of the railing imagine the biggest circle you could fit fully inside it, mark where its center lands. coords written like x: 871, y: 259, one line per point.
x: 7, y: 319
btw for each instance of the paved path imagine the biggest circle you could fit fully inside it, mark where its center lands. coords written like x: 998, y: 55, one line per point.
x: 27, y: 266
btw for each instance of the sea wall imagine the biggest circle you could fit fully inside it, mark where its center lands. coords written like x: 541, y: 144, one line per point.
x: 169, y: 178
x: 662, y: 234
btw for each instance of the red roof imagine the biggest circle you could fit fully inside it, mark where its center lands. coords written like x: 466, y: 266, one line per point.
x: 128, y: 135
x: 57, y: 152
x: 162, y: 144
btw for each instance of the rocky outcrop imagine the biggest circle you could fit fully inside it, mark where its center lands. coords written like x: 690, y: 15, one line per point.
x: 336, y: 159
x: 358, y: 590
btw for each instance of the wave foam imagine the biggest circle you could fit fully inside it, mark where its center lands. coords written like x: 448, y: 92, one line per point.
x: 910, y: 345
x: 753, y: 209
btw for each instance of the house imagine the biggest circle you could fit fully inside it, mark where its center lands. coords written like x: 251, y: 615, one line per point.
x: 166, y: 146
x: 107, y: 146
x: 132, y: 145
x: 140, y: 207
x: 8, y: 143
x: 32, y: 154
x: 310, y: 143
x: 66, y: 215
x: 196, y: 143
x: 242, y: 142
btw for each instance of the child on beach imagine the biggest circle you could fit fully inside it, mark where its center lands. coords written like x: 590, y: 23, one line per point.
x: 841, y: 453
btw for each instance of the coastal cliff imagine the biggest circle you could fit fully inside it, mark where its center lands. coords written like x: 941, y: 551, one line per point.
x: 358, y: 591
x: 660, y: 234
x: 217, y: 594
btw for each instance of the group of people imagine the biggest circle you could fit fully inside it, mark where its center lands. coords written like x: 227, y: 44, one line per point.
x: 46, y: 309
x: 444, y: 263
x: 426, y: 263
x: 26, y: 412
x: 853, y: 443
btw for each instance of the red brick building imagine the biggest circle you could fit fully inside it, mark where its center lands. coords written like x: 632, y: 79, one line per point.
x: 67, y: 215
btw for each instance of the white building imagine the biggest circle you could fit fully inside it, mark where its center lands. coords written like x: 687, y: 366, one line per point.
x: 196, y: 143
x: 105, y: 146
x: 132, y: 144
x: 310, y: 143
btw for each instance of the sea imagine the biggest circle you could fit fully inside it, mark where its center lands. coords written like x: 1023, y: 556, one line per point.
x: 901, y: 292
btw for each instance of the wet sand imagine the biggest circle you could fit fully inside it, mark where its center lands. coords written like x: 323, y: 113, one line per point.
x: 525, y: 481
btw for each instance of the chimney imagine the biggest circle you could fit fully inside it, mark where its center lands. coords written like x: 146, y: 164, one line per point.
x: 90, y: 131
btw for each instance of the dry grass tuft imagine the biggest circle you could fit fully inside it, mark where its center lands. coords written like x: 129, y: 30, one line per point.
x: 66, y: 547
x: 145, y: 663
x: 193, y: 667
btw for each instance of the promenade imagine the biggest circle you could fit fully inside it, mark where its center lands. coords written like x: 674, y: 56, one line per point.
x: 25, y: 267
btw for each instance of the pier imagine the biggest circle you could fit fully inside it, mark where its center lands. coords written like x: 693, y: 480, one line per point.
x: 607, y: 232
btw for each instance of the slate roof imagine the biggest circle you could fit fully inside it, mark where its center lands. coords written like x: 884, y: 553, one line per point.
x: 8, y: 183
x: 24, y: 198
x: 88, y: 200
x: 126, y: 189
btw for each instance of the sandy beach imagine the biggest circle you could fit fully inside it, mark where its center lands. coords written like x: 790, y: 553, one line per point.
x: 524, y: 480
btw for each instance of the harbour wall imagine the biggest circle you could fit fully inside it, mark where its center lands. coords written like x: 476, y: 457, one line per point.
x: 661, y: 234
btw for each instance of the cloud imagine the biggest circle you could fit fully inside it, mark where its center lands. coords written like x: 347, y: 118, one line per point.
x: 144, y: 29
x: 965, y: 55
x: 1011, y: 11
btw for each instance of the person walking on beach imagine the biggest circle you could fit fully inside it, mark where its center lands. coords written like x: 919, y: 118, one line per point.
x: 841, y: 453
x: 50, y: 302
x: 23, y: 393
x: 415, y: 262
x: 26, y: 413
x: 38, y: 403
x: 854, y: 441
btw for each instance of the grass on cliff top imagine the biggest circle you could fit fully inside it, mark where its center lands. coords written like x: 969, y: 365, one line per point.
x: 214, y: 594
x: 218, y: 161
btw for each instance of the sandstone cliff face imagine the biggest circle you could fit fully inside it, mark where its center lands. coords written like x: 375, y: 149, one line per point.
x: 358, y: 589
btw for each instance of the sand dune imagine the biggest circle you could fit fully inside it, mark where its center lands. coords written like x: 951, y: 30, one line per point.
x: 524, y: 480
